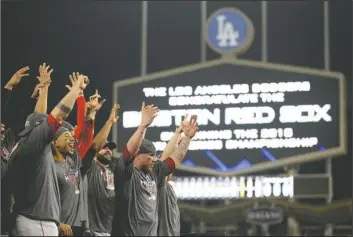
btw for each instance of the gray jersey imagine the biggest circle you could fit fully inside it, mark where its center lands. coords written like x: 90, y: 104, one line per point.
x: 136, y: 212
x: 32, y: 173
x: 101, y: 198
x: 168, y: 211
x: 71, y: 190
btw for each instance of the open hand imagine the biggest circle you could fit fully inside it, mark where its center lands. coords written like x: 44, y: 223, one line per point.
x: 191, y: 127
x: 73, y: 79
x: 16, y: 78
x: 44, y: 74
x: 65, y: 229
x: 78, y: 80
x: 113, y: 117
x: 43, y: 78
x: 148, y: 113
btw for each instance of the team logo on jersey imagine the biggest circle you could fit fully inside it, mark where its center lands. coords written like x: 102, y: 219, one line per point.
x: 73, y: 178
x: 150, y: 187
x: 229, y: 31
x: 108, y: 177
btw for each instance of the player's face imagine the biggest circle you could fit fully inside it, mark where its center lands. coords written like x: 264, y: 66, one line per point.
x: 105, y: 153
x: 105, y: 156
x: 146, y: 161
x: 65, y: 143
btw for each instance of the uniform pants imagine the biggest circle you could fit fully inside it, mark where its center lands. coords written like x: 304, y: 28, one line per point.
x: 29, y: 227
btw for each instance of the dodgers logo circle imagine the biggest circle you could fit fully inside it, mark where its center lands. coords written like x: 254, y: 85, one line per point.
x: 229, y: 31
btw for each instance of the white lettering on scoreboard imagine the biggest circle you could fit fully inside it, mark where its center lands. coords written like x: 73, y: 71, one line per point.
x: 233, y: 187
x: 233, y: 97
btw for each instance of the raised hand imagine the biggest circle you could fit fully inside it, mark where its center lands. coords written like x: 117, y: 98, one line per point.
x: 43, y: 78
x: 73, y: 79
x: 190, y: 128
x: 181, y: 126
x: 78, y: 80
x: 44, y: 74
x: 94, y: 103
x: 16, y: 78
x: 148, y: 113
x: 113, y: 118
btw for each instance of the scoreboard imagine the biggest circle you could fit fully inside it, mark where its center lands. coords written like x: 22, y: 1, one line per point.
x: 252, y: 116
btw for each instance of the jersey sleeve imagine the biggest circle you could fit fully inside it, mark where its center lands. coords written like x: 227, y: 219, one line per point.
x: 87, y: 160
x: 86, y: 138
x: 41, y: 135
x: 123, y: 166
x: 81, y: 110
x: 161, y: 169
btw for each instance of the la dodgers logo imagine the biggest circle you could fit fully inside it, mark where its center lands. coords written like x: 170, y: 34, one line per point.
x: 227, y: 36
x: 229, y: 30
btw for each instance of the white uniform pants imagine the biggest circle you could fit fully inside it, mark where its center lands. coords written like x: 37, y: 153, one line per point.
x: 28, y: 227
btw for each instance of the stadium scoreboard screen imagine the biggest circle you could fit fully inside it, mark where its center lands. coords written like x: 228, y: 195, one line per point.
x: 250, y: 114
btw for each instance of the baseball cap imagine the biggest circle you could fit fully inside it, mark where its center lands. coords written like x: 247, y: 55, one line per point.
x: 60, y: 131
x: 147, y: 147
x: 110, y: 145
x: 68, y: 126
x: 32, y: 121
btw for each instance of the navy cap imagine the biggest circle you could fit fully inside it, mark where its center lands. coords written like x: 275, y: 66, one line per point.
x: 147, y: 147
x: 110, y: 145
x: 32, y: 121
x: 68, y: 126
x: 60, y: 131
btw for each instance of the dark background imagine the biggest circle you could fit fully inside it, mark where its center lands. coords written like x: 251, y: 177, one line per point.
x: 102, y: 39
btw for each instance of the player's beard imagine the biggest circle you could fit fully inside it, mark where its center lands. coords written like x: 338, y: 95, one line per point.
x: 102, y: 159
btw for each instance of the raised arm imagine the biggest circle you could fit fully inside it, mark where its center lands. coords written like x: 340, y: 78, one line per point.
x: 100, y: 140
x: 86, y: 135
x: 173, y: 142
x: 190, y: 130
x: 64, y: 107
x: 16, y: 78
x: 80, y: 117
x: 81, y: 106
x: 38, y: 136
x: 11, y: 84
x: 44, y: 82
x: 148, y: 113
x: 7, y: 101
